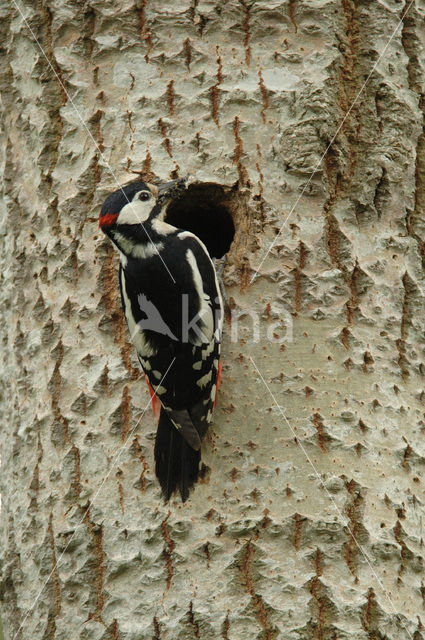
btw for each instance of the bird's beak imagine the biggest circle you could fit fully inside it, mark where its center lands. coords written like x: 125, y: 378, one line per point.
x: 171, y: 189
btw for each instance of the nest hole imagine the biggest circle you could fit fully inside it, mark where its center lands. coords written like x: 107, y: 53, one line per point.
x: 202, y: 210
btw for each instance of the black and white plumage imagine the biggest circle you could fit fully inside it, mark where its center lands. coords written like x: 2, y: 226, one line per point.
x: 173, y: 308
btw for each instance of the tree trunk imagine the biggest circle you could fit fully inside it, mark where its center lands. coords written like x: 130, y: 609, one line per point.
x: 309, y: 523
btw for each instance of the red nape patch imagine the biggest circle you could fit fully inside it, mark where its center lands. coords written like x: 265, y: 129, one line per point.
x: 217, y: 383
x: 156, y: 405
x: 107, y: 219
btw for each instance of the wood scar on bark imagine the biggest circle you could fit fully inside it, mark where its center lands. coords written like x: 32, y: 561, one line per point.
x: 163, y: 131
x: 56, y: 609
x: 302, y: 254
x: 291, y: 14
x: 146, y: 173
x: 260, y: 188
x: 298, y: 525
x: 407, y: 453
x: 242, y: 172
x: 322, y: 436
x: 171, y: 97
x: 35, y: 482
x: 411, y: 46
x: 256, y: 599
x: 321, y: 602
x: 404, y: 326
x: 138, y: 451
x: 247, y: 33
x: 115, y: 631
x: 370, y: 614
x: 56, y: 384
x: 76, y: 485
x: 354, y: 512
x: 145, y: 32
x: 193, y: 622
x: 187, y: 52
x: 169, y: 547
x: 95, y: 122
x: 353, y: 301
x: 157, y: 629
x: 125, y: 413
x: 215, y: 90
x: 225, y: 628
x: 105, y: 381
x: 96, y: 532
x: 119, y: 475
x: 48, y: 48
x: 264, y: 95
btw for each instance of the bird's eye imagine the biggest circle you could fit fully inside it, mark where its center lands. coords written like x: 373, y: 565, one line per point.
x: 144, y: 195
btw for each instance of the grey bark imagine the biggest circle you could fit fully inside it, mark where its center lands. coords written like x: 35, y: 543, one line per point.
x: 225, y: 91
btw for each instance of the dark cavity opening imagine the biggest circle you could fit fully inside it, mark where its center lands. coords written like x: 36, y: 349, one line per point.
x: 202, y: 209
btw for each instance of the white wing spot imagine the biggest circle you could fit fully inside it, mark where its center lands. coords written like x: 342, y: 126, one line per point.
x: 145, y: 364
x: 197, y: 365
x: 157, y: 374
x: 208, y: 350
x: 160, y: 390
x: 202, y: 382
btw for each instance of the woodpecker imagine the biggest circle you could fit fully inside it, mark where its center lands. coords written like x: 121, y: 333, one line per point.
x: 174, y: 312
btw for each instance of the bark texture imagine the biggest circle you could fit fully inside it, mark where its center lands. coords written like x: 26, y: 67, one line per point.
x: 225, y: 91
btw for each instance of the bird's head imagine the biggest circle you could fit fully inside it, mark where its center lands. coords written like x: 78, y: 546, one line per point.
x: 131, y: 204
x: 135, y: 203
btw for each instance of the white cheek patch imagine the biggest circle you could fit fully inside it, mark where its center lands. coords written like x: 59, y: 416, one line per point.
x: 135, y: 212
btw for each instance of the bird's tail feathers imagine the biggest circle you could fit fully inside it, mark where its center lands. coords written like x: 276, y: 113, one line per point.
x: 177, y: 464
